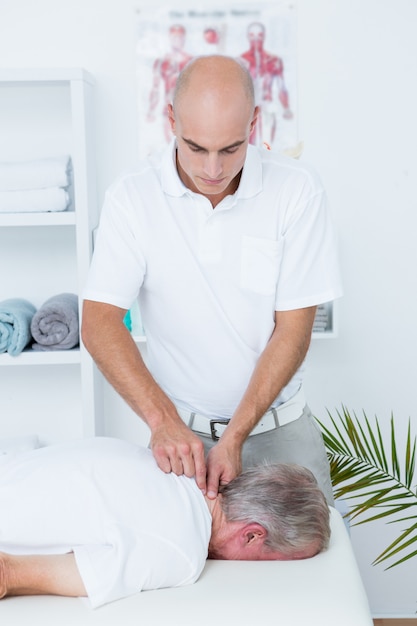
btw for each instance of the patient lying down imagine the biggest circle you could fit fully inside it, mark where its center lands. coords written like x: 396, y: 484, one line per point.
x: 98, y: 518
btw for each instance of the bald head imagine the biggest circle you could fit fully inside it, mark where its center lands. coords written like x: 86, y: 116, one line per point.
x: 219, y: 76
x: 212, y: 116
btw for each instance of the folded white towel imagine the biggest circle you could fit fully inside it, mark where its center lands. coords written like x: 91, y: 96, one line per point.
x: 34, y: 200
x: 36, y: 174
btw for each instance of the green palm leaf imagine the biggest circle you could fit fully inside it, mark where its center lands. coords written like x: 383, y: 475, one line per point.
x: 372, y: 477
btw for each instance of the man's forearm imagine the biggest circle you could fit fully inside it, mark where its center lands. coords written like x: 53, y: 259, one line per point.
x: 277, y: 364
x: 118, y: 358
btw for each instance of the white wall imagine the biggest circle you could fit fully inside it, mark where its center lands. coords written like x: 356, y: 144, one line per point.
x: 357, y: 102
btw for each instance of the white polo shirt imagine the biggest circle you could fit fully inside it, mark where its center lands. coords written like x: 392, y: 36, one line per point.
x: 209, y: 281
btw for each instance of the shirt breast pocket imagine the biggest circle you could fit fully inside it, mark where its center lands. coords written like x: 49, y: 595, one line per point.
x: 260, y: 264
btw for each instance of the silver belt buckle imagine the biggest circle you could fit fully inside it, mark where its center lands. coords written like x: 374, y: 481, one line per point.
x: 223, y: 421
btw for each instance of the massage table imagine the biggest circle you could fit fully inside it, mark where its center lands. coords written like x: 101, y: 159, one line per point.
x: 325, y: 590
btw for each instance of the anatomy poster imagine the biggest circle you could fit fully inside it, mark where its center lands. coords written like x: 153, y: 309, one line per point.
x: 262, y: 36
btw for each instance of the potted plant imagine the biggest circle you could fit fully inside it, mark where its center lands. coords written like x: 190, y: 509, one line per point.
x: 373, y: 479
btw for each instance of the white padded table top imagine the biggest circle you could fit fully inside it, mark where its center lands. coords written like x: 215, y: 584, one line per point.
x: 323, y: 591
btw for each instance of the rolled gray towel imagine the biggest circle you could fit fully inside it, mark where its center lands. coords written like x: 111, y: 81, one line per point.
x: 55, y: 326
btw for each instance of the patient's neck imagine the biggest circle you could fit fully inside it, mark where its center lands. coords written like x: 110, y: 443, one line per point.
x: 213, y: 505
x: 219, y: 527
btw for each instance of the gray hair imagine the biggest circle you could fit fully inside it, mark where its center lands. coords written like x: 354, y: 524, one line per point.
x: 283, y: 498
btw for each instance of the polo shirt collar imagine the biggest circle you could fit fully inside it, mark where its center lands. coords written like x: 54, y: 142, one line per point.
x: 250, y: 181
x: 170, y: 181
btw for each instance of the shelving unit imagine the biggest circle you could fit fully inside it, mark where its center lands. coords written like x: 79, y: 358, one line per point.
x: 45, y: 113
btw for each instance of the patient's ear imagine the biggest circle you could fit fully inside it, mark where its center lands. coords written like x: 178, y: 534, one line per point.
x: 253, y: 533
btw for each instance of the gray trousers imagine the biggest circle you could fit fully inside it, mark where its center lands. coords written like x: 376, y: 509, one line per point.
x: 299, y: 442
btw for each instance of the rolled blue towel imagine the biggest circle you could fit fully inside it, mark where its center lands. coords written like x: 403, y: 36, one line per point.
x: 16, y: 315
x: 55, y: 324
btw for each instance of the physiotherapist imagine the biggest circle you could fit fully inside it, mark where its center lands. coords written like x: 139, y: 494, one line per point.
x: 228, y: 249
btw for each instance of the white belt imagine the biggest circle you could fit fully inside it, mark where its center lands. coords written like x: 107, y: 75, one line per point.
x: 283, y: 414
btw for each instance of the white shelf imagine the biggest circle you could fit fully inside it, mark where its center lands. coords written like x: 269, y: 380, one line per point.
x: 33, y: 357
x: 61, y: 218
x: 326, y: 334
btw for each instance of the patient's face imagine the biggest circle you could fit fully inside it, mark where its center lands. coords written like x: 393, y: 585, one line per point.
x: 233, y: 550
x: 240, y: 541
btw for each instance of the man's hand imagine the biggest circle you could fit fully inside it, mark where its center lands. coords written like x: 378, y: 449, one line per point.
x: 223, y: 464
x: 177, y: 449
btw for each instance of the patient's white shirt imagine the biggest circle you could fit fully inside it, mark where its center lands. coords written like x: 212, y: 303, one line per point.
x: 130, y: 526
